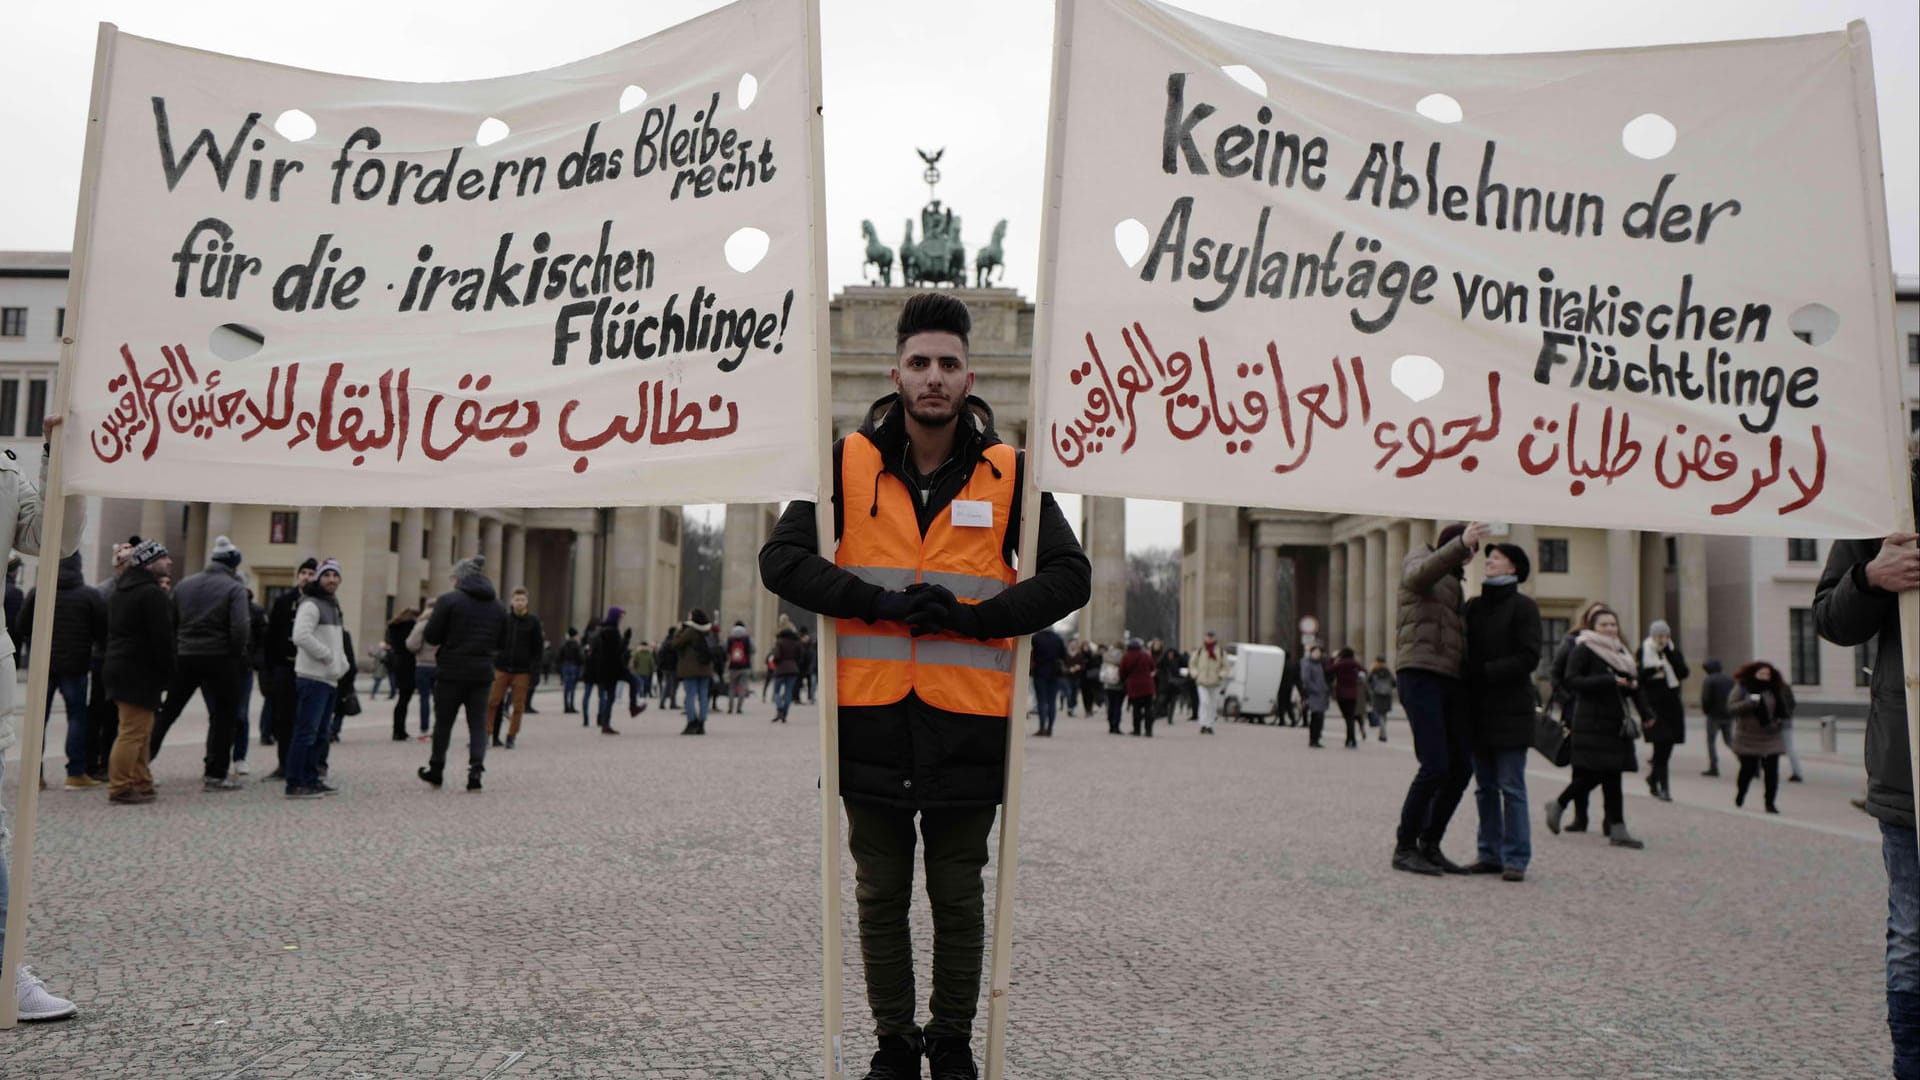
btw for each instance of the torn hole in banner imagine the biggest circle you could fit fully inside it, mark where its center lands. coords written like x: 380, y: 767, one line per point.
x: 295, y: 126
x: 1130, y: 239
x: 746, y: 247
x: 1649, y: 136
x: 1814, y: 324
x: 1246, y: 77
x: 234, y: 342
x: 492, y: 130
x: 632, y: 98
x: 1418, y: 377
x: 1440, y: 108
x: 749, y: 89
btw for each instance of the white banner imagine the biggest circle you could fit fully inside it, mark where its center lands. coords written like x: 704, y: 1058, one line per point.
x: 582, y: 286
x: 1635, y: 288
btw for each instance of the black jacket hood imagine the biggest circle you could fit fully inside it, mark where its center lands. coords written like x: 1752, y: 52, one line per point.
x: 476, y: 586
x: 70, y: 575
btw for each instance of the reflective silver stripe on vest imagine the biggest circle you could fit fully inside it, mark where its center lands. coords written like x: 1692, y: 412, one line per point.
x: 876, y: 647
x: 964, y: 654
x: 966, y: 586
x: 887, y: 577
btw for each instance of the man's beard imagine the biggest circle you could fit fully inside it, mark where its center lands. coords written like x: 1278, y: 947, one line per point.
x: 934, y: 418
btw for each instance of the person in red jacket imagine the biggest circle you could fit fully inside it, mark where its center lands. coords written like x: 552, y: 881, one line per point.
x: 1136, y: 676
x: 1348, y: 674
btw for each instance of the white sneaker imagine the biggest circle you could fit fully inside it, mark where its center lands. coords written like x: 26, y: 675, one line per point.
x: 35, y: 1002
x: 240, y: 768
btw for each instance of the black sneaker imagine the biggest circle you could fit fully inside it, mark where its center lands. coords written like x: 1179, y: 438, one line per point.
x: 473, y: 780
x: 509, y: 742
x: 951, y: 1059
x: 1433, y: 854
x: 431, y: 776
x: 304, y: 793
x: 1411, y: 861
x: 325, y: 789
x: 897, y: 1059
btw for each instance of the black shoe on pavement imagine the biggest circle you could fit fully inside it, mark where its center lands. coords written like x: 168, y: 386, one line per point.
x: 1711, y: 772
x: 1796, y: 779
x: 1433, y: 854
x: 473, y: 780
x: 951, y: 1058
x: 509, y: 742
x: 324, y: 789
x: 1513, y: 873
x: 635, y: 710
x: 607, y: 729
x: 399, y: 736
x: 897, y: 1059
x: 1411, y: 861
x: 431, y: 776
x: 1485, y: 868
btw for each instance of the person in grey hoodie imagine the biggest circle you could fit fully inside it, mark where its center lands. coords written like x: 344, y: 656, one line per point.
x: 319, y: 660
x: 465, y: 626
x: 1314, y: 693
x: 212, y: 617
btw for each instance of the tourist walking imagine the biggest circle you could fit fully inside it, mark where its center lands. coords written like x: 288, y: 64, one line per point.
x: 1662, y: 667
x: 426, y: 667
x: 279, y: 689
x: 1315, y: 693
x: 694, y: 668
x: 1136, y: 676
x: 1503, y: 650
x: 401, y: 667
x: 1714, y: 690
x: 1562, y: 696
x: 1088, y: 670
x: 570, y: 657
x: 1379, y: 694
x: 212, y: 619
x: 1112, y: 686
x: 1761, y: 704
x: 79, y: 628
x: 739, y: 666
x: 1047, y: 664
x: 607, y: 665
x: 1604, y: 676
x: 1208, y: 669
x: 522, y: 641
x: 1347, y: 676
x: 467, y: 624
x: 786, y: 668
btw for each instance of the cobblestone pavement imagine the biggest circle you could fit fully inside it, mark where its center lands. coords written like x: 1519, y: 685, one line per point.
x: 645, y: 906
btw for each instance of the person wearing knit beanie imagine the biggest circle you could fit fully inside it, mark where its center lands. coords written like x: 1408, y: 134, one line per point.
x: 471, y: 566
x: 225, y: 552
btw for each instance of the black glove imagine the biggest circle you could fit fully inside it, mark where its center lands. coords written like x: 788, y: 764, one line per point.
x: 963, y: 620
x: 891, y: 606
x: 933, y: 605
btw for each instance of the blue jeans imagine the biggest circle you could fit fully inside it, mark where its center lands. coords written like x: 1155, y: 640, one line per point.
x: 312, y: 721
x: 1443, y: 743
x: 1046, y: 699
x: 1506, y: 837
x: 423, y: 689
x: 783, y: 686
x: 569, y: 681
x: 697, y: 690
x: 73, y: 691
x: 1897, y: 850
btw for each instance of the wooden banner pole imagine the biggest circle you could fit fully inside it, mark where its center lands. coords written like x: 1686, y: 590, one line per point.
x: 53, y: 515
x: 832, y: 1056
x: 999, y: 981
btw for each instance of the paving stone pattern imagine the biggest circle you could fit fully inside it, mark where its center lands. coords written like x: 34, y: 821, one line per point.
x: 646, y: 906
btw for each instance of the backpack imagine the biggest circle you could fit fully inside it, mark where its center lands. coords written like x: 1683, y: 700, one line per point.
x: 737, y: 653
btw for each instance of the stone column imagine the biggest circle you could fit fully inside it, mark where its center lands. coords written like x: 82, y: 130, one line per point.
x: 1395, y: 554
x: 442, y: 552
x: 740, y: 588
x: 153, y: 520
x: 190, y: 558
x: 1268, y: 576
x: 413, y: 564
x: 1103, y: 535
x: 219, y: 523
x: 629, y: 554
x: 469, y: 542
x: 369, y: 622
x: 1653, y: 581
x: 1209, y: 582
x: 514, y: 572
x: 308, y: 525
x: 1623, y: 580
x: 1356, y: 596
x: 1420, y: 534
x: 1692, y: 627
x: 493, y: 546
x: 586, y: 603
x: 1334, y: 629
x: 1376, y: 635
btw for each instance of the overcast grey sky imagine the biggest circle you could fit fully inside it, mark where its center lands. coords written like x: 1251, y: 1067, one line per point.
x: 972, y: 78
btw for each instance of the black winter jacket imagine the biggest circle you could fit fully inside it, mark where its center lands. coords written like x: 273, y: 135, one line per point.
x: 570, y: 652
x: 79, y: 621
x: 1669, y: 713
x: 466, y: 627
x: 280, y: 647
x: 607, y: 659
x: 401, y: 663
x: 1714, y: 691
x: 522, y: 642
x: 139, y: 661
x: 910, y: 753
x: 1599, y: 713
x: 1849, y: 611
x: 1503, y: 649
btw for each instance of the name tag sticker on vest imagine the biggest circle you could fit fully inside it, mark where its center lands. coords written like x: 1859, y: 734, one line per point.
x: 971, y: 514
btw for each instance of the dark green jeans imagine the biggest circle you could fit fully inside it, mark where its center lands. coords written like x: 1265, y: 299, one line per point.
x: 882, y: 840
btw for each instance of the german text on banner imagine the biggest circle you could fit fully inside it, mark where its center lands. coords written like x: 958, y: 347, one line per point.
x: 1629, y: 288
x: 582, y: 286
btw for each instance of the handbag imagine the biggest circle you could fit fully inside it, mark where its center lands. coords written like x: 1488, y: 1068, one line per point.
x: 350, y: 703
x: 1552, y: 738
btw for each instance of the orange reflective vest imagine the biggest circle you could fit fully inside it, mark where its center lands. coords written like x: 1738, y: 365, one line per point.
x: 880, y: 543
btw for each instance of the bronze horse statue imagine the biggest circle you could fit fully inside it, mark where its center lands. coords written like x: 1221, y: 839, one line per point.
x: 879, y: 255
x: 990, y: 257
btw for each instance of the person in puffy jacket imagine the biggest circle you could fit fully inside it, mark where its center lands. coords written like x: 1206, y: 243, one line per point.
x: 1314, y: 693
x: 1503, y: 649
x: 1347, y: 676
x: 1604, y: 675
x: 79, y: 627
x: 607, y: 668
x: 465, y: 626
x: 213, y: 616
x: 137, y: 668
x: 1136, y: 675
x: 786, y: 668
x: 1761, y: 704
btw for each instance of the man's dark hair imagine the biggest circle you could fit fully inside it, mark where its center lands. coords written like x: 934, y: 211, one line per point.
x: 933, y: 311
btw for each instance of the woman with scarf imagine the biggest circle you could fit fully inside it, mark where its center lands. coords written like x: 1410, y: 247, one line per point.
x: 1662, y: 667
x: 1604, y: 677
x: 1503, y: 650
x: 1761, y: 704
